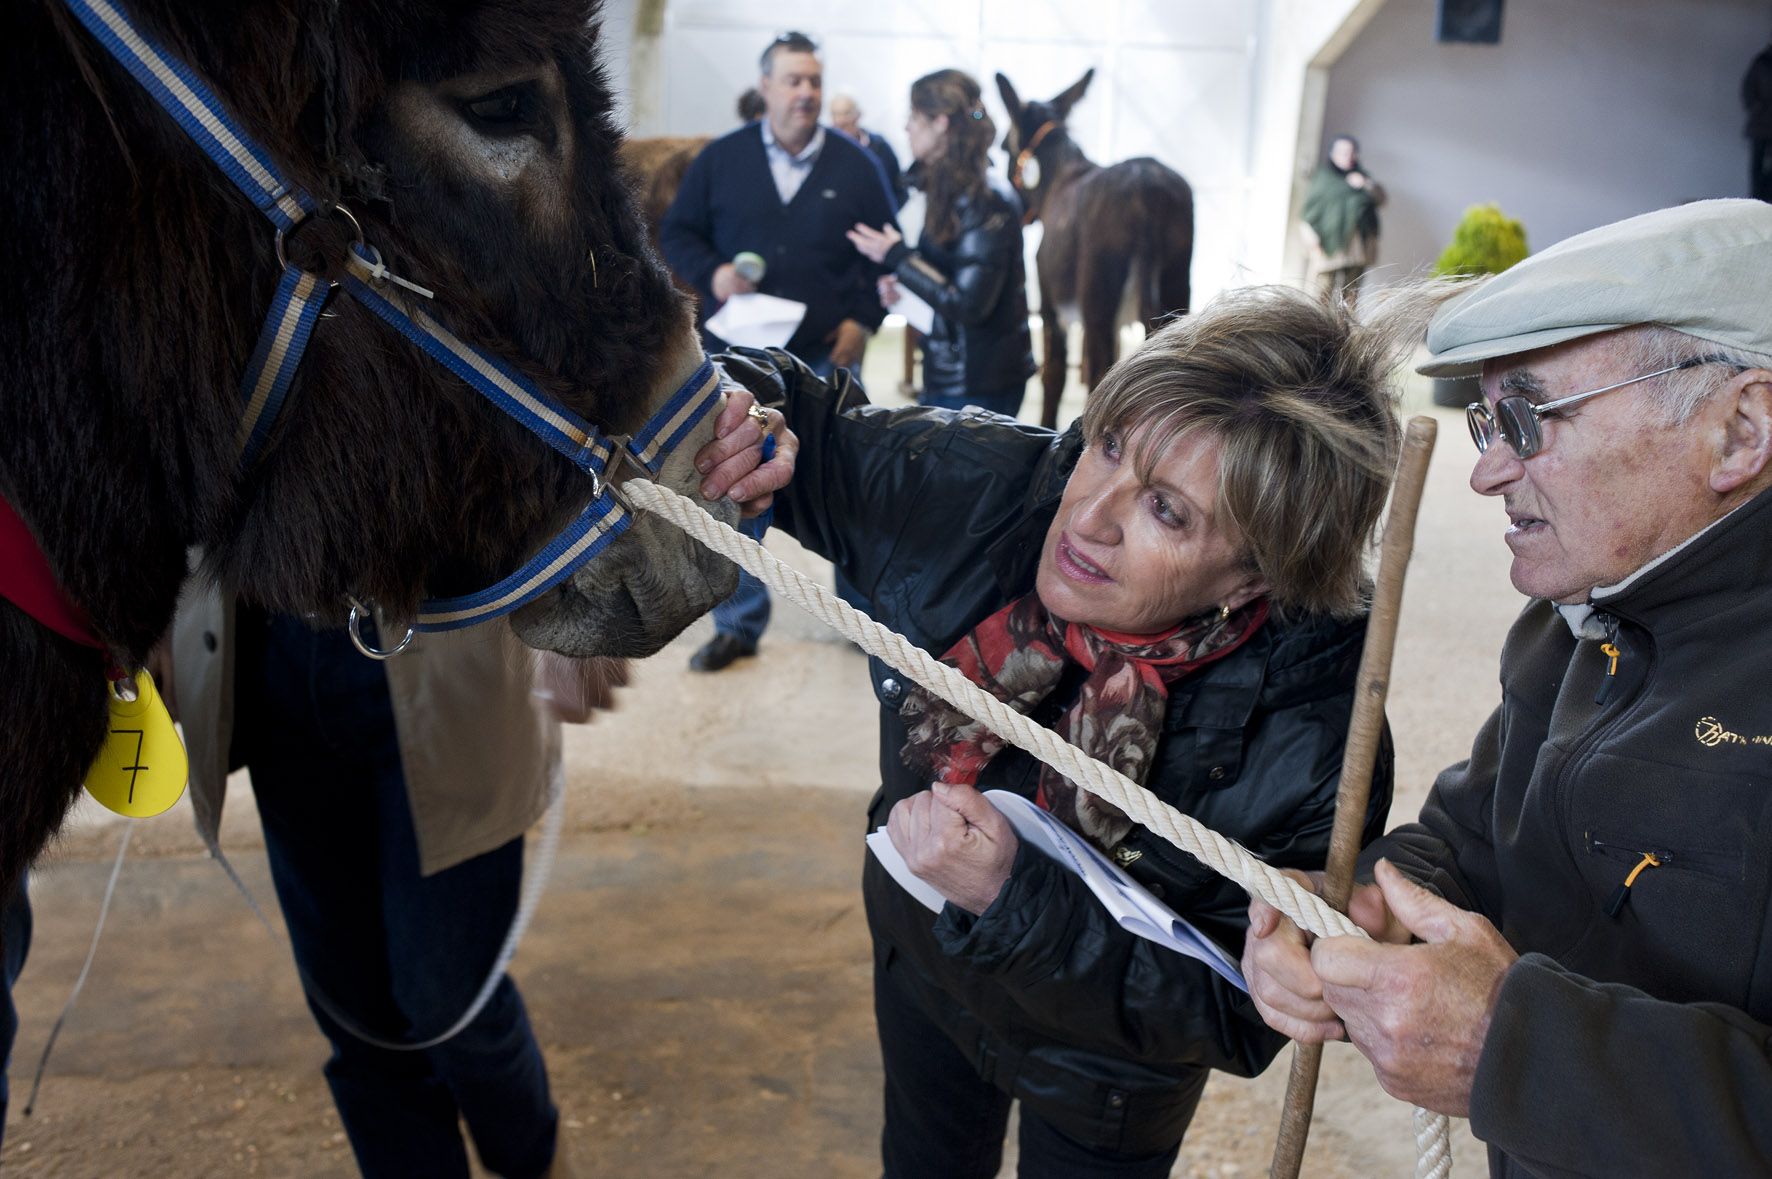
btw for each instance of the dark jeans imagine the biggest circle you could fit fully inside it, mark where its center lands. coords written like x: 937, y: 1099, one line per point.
x: 944, y: 1121
x: 745, y: 614
x: 396, y: 954
x: 1004, y: 401
x: 15, y: 943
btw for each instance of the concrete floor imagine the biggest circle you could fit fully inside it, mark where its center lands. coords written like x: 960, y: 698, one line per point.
x: 698, y: 970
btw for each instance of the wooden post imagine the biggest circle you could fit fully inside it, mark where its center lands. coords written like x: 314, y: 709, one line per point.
x: 1365, y: 728
x: 908, y: 386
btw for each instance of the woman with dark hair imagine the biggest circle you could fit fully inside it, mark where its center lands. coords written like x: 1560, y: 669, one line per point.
x: 968, y: 264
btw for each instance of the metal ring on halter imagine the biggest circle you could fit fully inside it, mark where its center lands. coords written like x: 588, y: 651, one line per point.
x: 283, y: 257
x: 354, y: 623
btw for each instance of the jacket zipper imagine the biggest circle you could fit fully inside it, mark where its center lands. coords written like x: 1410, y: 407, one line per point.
x: 1599, y: 729
x: 1621, y: 895
x: 1717, y: 866
x: 1610, y: 650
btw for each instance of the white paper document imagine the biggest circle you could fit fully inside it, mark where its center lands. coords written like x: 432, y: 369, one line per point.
x: 1130, y: 903
x: 757, y: 320
x: 918, y: 313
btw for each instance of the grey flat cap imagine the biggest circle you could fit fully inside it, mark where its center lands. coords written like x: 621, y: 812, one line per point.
x: 1704, y: 269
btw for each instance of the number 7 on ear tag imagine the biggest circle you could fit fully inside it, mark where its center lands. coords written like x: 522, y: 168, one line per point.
x: 141, y: 768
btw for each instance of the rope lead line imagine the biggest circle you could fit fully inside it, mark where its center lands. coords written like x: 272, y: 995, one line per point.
x: 1224, y: 856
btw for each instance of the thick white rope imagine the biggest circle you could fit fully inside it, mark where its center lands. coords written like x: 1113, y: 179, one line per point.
x: 98, y: 929
x: 1224, y: 856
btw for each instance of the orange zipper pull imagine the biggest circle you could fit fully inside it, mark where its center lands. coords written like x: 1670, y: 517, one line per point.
x: 1621, y: 894
x: 1610, y: 650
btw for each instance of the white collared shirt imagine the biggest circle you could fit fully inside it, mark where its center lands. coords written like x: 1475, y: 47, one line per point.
x: 790, y: 171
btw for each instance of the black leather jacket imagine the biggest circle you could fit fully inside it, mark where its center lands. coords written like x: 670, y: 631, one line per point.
x: 978, y: 286
x: 937, y: 517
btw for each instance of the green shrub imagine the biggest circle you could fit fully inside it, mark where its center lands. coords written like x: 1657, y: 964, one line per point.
x: 1487, y: 241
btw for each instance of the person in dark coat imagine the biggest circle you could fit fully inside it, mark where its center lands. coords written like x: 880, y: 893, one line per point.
x: 1339, y: 220
x: 784, y: 190
x: 1756, y: 98
x: 968, y: 265
x: 846, y: 117
x: 1175, y: 583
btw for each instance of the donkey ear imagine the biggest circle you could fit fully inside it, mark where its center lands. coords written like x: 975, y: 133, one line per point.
x: 1064, y: 102
x: 1010, y: 98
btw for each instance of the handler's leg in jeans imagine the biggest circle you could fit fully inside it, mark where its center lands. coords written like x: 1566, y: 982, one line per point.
x: 15, y: 943
x: 399, y: 955
x: 745, y: 615
x: 943, y: 1121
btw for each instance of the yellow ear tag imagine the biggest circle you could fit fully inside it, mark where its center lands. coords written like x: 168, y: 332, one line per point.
x: 140, y: 770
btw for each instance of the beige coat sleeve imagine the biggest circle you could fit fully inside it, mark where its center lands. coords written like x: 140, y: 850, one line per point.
x: 481, y: 756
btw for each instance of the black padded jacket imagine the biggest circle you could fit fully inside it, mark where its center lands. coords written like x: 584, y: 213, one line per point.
x: 937, y: 517
x: 977, y: 285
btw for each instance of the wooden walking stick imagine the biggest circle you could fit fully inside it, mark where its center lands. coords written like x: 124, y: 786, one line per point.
x: 1364, y: 729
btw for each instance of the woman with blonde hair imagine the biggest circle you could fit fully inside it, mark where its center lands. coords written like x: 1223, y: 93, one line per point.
x: 1177, y: 584
x: 968, y: 264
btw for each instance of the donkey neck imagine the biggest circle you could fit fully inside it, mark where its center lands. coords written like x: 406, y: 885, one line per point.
x: 1066, y: 162
x: 1064, y: 165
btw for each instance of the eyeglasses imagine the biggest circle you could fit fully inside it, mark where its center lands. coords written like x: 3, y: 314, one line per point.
x: 1516, y: 419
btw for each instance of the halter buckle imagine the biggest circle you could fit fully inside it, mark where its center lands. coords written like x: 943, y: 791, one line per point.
x: 622, y: 454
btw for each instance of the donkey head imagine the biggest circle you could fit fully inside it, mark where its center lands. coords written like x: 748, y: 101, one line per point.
x: 474, y: 142
x: 479, y: 143
x: 1036, y: 140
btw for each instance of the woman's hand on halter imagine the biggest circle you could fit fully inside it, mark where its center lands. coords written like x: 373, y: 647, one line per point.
x: 874, y: 243
x: 952, y: 837
x: 732, y: 464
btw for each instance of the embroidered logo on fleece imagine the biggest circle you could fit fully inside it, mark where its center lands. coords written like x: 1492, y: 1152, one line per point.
x: 1710, y: 733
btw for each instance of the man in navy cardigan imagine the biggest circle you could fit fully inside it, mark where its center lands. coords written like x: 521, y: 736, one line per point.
x: 788, y: 190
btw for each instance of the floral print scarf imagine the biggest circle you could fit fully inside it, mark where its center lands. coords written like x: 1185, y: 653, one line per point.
x: 1020, y: 653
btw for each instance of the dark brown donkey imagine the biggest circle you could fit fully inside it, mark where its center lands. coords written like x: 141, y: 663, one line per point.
x: 1118, y: 240
x: 475, y: 142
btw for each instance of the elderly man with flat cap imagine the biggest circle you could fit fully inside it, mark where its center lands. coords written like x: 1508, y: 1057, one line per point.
x: 1573, y: 945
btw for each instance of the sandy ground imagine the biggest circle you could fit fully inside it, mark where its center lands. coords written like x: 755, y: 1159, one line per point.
x: 698, y: 969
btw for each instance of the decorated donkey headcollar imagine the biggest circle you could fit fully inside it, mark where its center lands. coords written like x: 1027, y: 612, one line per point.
x: 1026, y: 172
x: 296, y: 308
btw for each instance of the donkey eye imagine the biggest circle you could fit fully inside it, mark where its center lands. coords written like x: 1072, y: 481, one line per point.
x: 506, y: 109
